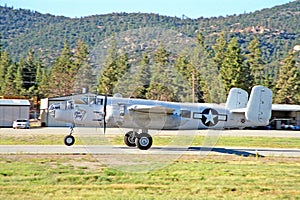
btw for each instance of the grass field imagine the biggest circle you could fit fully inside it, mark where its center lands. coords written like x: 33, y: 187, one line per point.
x: 187, y: 177
x: 190, y: 177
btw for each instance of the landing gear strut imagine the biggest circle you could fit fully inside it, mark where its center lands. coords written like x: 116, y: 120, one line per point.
x: 69, y: 139
x: 143, y: 140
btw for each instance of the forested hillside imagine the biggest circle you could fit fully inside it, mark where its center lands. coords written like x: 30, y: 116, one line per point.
x: 22, y: 30
x: 127, y: 43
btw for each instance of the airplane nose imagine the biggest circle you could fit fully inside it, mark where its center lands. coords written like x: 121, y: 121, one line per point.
x: 52, y: 113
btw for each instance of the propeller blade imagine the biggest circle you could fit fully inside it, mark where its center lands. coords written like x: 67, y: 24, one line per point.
x: 104, y: 110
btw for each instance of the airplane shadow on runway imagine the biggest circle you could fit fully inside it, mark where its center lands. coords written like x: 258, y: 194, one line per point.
x: 238, y: 152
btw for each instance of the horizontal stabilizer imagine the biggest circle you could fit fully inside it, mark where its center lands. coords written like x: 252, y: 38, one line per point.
x: 259, y: 107
x: 238, y: 110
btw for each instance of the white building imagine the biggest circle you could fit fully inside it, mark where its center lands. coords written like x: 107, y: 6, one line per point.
x: 12, y: 109
x: 284, y: 115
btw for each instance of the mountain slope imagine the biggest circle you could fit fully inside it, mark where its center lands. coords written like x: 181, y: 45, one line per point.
x: 277, y: 28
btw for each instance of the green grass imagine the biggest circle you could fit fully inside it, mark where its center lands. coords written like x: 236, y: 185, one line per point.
x: 46, y: 139
x: 23, y: 139
x: 190, y: 177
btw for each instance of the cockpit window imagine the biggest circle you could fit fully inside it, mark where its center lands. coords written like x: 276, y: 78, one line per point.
x: 99, y: 101
x: 89, y: 100
x: 70, y: 105
x: 185, y: 113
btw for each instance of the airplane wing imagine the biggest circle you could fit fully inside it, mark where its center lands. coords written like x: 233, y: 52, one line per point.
x: 151, y: 109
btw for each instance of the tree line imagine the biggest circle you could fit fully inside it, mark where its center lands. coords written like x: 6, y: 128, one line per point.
x: 200, y: 74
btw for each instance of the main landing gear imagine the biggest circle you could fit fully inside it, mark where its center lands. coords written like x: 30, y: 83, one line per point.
x: 142, y: 140
x: 69, y: 139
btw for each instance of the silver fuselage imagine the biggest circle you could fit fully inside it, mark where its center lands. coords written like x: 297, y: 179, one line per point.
x: 119, y: 112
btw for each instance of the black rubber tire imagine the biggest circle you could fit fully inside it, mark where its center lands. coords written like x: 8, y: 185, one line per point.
x: 129, y: 139
x: 143, y: 141
x: 69, y: 140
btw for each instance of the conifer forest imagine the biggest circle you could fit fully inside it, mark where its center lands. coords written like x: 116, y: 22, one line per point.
x: 150, y: 56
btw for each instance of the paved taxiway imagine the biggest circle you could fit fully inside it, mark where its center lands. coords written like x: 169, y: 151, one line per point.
x: 107, y: 149
x: 155, y: 150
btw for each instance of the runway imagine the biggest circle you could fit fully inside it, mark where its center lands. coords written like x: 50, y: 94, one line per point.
x: 155, y: 150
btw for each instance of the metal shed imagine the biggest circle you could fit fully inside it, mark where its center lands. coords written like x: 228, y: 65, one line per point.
x: 12, y: 109
x: 283, y: 114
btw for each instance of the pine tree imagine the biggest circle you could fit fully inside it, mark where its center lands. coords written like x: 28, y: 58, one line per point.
x: 189, y: 67
x: 161, y: 81
x: 200, y: 60
x: 219, y: 50
x: 28, y: 71
x: 122, y: 63
x: 186, y: 80
x: 1, y: 45
x: 42, y: 88
x: 288, y: 84
x: 84, y: 77
x: 255, y: 62
x: 123, y: 77
x: 19, y: 82
x: 63, y: 74
x: 5, y: 63
x: 9, y: 88
x: 142, y: 78
x: 234, y: 73
x: 113, y: 69
x: 105, y: 83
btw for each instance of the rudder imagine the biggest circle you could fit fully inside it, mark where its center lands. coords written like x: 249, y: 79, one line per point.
x: 259, y: 106
x: 237, y: 98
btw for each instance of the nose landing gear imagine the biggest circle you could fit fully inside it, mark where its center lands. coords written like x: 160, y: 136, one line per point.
x: 69, y: 139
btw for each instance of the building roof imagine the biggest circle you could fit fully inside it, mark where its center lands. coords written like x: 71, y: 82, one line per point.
x: 14, y: 102
x: 285, y: 107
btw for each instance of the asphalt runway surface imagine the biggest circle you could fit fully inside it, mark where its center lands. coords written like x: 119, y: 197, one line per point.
x: 155, y: 150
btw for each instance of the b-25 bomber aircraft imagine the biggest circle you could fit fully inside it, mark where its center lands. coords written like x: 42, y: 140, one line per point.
x: 143, y: 115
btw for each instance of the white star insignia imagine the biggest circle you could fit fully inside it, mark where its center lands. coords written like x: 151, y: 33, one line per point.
x: 210, y: 117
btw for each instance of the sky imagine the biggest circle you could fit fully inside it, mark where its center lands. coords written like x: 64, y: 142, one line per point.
x: 189, y: 8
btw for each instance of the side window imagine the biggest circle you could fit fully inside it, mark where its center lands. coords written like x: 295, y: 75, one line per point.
x: 70, y: 105
x: 122, y: 110
x: 63, y: 105
x: 185, y: 113
x: 99, y: 101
